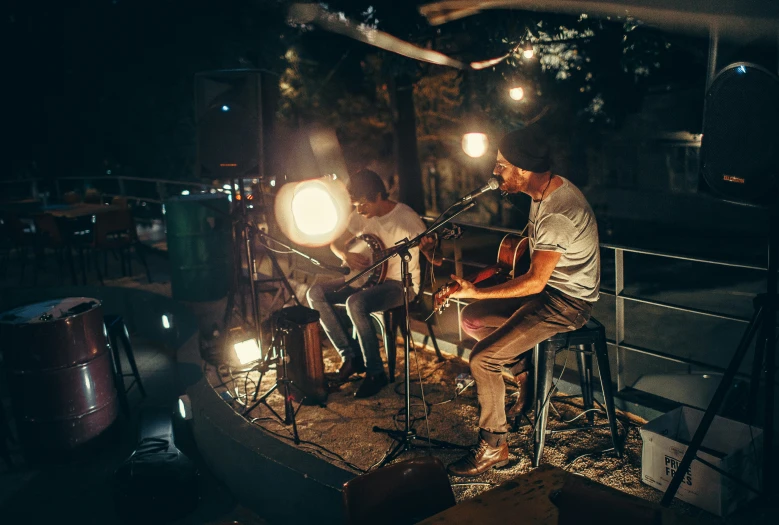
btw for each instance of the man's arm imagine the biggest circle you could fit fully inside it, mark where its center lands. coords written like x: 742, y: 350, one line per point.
x: 355, y: 261
x: 338, y: 246
x: 541, y: 266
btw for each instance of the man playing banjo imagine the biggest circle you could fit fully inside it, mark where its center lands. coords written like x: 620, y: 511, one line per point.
x: 375, y: 217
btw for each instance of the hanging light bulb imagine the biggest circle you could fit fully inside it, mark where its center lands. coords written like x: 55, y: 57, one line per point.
x: 528, y: 51
x: 475, y: 144
x: 516, y: 93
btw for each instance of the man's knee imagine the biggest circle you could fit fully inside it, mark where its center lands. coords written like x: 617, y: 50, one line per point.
x: 315, y: 294
x: 355, y: 306
x: 480, y: 360
x: 470, y: 323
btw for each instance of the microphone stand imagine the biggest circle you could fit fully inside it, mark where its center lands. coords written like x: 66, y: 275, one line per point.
x: 407, y: 438
x: 338, y: 269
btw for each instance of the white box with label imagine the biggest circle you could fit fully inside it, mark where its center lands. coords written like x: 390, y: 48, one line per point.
x: 731, y: 446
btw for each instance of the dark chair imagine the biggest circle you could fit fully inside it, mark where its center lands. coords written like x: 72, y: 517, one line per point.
x: 117, y: 333
x: 115, y: 231
x: 586, y: 341
x: 395, y: 319
x: 401, y: 493
x: 49, y: 236
x: 15, y: 235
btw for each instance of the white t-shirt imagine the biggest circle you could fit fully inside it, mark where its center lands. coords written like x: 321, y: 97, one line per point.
x: 400, y: 223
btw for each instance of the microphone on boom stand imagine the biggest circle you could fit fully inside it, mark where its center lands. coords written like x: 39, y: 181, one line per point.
x: 492, y: 184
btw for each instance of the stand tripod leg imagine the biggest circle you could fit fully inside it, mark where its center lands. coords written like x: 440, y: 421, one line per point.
x: 714, y: 405
x: 406, y: 438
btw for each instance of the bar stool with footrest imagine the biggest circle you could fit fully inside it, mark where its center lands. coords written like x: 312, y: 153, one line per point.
x: 117, y: 331
x: 586, y: 341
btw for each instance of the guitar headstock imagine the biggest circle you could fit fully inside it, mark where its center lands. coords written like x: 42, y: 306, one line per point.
x: 441, y: 296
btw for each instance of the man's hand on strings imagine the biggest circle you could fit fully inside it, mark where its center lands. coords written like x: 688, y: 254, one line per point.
x: 467, y: 289
x: 357, y: 261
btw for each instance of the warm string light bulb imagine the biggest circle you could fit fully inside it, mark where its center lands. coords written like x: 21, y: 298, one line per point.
x: 475, y: 144
x: 516, y: 93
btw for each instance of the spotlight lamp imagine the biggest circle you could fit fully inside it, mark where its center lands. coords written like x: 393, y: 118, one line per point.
x: 313, y: 212
x: 517, y: 93
x: 527, y: 51
x: 475, y: 144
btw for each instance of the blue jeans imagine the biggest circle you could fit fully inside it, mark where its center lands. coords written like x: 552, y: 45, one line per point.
x: 359, y: 305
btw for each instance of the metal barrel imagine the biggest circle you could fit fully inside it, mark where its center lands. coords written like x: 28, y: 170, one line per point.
x: 199, y: 234
x: 60, y: 373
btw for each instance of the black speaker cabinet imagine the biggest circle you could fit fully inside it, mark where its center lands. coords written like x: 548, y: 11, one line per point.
x: 740, y: 139
x: 234, y: 117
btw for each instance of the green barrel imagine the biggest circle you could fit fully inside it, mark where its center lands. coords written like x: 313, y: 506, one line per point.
x: 199, y: 246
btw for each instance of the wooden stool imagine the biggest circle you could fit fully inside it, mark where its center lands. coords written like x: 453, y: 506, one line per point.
x: 117, y: 331
x: 589, y: 339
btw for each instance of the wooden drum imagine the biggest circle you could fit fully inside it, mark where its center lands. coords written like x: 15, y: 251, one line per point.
x: 306, y: 366
x: 59, y: 370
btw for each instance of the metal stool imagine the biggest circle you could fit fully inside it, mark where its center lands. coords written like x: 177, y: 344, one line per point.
x: 587, y: 340
x: 117, y: 331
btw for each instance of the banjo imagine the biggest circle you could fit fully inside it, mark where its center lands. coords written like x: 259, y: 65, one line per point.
x: 371, y: 247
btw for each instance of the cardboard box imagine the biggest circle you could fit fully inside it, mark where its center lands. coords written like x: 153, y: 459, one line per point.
x: 734, y: 447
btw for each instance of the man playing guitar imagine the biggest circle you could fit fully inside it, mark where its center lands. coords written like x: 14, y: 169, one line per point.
x: 555, y: 295
x: 384, y: 222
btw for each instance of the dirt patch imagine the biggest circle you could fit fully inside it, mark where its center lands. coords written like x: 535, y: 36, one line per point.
x: 342, y: 431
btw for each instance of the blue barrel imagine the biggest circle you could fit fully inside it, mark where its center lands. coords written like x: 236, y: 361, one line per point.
x: 199, y: 234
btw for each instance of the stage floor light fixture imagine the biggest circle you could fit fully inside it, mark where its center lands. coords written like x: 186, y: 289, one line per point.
x: 313, y: 212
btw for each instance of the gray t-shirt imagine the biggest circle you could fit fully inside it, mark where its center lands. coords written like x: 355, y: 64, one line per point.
x: 563, y: 222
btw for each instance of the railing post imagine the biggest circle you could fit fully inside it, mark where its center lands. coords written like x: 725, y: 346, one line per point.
x: 619, y: 303
x: 120, y: 181
x: 34, y: 188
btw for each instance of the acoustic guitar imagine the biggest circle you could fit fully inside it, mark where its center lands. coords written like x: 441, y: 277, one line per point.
x: 513, y: 260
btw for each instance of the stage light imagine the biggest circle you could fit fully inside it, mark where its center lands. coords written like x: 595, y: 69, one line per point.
x: 166, y: 322
x: 185, y: 407
x: 273, y: 183
x: 313, y: 212
x: 475, y: 144
x: 225, y: 108
x: 185, y: 192
x: 528, y: 51
x: 247, y: 351
x: 516, y: 93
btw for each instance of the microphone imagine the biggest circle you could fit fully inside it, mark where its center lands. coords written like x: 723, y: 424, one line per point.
x: 492, y: 184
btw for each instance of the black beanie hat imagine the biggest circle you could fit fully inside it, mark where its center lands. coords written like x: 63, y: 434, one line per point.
x: 526, y: 149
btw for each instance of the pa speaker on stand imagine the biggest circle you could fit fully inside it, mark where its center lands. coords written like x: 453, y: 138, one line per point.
x: 739, y: 148
x: 234, y: 112
x: 741, y: 164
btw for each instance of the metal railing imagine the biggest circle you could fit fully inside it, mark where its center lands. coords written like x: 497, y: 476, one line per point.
x: 620, y: 349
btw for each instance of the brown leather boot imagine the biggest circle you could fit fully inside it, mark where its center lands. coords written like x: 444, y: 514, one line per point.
x: 480, y: 459
x: 348, y: 367
x: 522, y: 398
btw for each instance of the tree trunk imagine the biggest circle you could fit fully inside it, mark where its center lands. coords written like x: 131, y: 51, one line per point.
x: 409, y: 171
